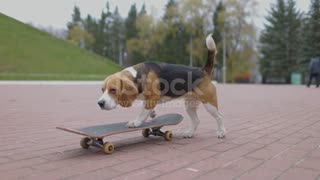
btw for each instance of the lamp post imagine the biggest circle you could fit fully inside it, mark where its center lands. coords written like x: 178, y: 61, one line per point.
x: 224, y: 68
x: 191, y: 45
x: 120, y: 50
x: 190, y: 61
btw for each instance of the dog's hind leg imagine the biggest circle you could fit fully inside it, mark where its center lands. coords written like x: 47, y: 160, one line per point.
x: 207, y: 94
x: 217, y: 115
x: 191, y: 106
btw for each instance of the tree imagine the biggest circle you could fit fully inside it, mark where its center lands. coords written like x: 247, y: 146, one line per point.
x: 294, y: 22
x: 77, y: 33
x: 80, y: 37
x: 131, y: 30
x: 143, y: 10
x: 107, y: 33
x: 272, y: 42
x: 218, y: 24
x: 311, y: 42
x: 280, y: 41
x: 100, y: 34
x: 88, y: 23
x: 91, y: 26
x: 149, y: 39
x: 240, y: 36
x: 76, y: 18
x: 194, y: 13
x: 173, y: 49
x: 117, y: 36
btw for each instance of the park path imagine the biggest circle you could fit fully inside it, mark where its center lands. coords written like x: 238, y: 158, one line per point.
x: 273, y: 132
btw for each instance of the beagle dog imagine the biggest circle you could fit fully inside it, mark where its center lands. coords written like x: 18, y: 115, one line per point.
x: 154, y: 83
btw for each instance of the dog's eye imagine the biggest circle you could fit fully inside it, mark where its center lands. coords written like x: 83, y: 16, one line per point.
x: 112, y: 91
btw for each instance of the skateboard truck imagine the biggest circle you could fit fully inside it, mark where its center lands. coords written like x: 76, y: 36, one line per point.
x: 96, y: 142
x: 157, y: 132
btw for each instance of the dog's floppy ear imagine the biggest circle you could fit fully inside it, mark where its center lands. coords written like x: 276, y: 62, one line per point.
x: 129, y: 93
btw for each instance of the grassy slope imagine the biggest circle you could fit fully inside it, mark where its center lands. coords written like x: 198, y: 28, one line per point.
x: 27, y: 53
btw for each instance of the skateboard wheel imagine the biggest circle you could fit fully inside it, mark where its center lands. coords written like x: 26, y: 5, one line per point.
x: 168, y: 135
x: 108, y: 148
x: 84, y: 142
x: 146, y: 133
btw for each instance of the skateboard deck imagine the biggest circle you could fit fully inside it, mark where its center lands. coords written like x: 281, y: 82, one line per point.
x: 95, y: 134
x: 102, y: 131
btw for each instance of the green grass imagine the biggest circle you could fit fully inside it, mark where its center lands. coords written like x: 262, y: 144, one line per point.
x: 30, y: 54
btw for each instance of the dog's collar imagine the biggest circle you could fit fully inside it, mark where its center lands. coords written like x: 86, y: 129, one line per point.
x: 132, y: 71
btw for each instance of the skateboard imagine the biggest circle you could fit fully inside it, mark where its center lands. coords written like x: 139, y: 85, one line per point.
x: 94, y: 134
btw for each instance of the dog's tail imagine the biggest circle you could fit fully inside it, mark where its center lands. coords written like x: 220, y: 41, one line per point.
x: 212, y: 51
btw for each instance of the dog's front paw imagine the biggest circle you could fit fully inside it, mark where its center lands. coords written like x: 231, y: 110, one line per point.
x: 153, y: 114
x: 133, y: 124
x: 188, y: 133
x: 221, y: 133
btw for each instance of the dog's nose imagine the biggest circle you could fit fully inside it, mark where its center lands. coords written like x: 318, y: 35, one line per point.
x: 101, y: 103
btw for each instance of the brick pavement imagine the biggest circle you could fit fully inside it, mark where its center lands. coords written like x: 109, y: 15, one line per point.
x: 273, y: 132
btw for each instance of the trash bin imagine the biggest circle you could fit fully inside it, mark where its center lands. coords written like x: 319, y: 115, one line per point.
x: 296, y: 78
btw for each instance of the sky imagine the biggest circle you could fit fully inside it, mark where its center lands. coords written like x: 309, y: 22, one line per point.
x: 56, y: 13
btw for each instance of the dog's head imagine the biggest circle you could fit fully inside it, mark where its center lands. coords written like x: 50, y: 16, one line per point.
x: 117, y: 89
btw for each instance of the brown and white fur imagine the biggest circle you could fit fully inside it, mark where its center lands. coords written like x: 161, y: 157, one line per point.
x: 155, y: 83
